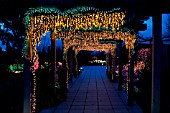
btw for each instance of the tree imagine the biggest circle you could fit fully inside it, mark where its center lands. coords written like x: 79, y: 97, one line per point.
x: 12, y: 14
x: 168, y: 28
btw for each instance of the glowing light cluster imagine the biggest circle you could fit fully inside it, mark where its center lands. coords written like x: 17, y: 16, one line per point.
x: 87, y: 38
x: 139, y: 66
x: 39, y: 25
x: 144, y: 55
x: 78, y: 26
x: 92, y: 47
x: 34, y: 67
x: 44, y: 10
x: 101, y: 47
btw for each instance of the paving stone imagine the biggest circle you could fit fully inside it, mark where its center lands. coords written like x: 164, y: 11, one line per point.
x: 61, y: 107
x: 91, y: 103
x: 76, y: 111
x: 74, y: 107
x: 90, y: 111
x: 92, y: 92
x: 105, y: 107
x: 59, y: 111
x: 106, y: 111
x: 47, y: 111
x: 76, y: 103
x: 119, y: 107
x: 91, y: 107
x: 121, y: 110
x: 105, y: 103
x: 117, y: 103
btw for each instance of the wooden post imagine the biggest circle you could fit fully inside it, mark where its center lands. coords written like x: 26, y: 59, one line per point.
x: 108, y: 70
x: 71, y: 65
x: 67, y: 68
x: 27, y: 79
x: 114, y: 64
x: 77, y: 70
x: 65, y: 61
x: 130, y: 81
x: 74, y: 63
x: 53, y: 63
x: 156, y: 61
x: 112, y: 70
x: 165, y: 79
x: 107, y: 62
x: 120, y: 80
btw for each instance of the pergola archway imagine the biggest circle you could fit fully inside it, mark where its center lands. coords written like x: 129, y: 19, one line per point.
x: 97, y: 47
x: 98, y: 25
x: 88, y: 37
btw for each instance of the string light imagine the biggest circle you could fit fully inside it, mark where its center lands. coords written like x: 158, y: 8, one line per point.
x: 39, y: 25
x: 34, y: 67
x: 92, y: 47
x: 44, y: 10
x: 98, y: 47
x: 89, y: 38
x: 75, y: 27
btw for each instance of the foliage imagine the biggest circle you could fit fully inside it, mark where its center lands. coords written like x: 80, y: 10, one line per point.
x: 166, y: 35
x: 141, y: 67
x: 12, y: 29
x: 168, y: 24
x: 145, y: 56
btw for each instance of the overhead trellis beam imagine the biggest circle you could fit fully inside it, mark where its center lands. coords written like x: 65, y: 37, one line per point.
x: 55, y: 12
x: 87, y: 38
x: 38, y: 21
x: 98, y: 47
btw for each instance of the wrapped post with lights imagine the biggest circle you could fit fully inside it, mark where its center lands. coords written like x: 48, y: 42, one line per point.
x: 112, y: 65
x: 67, y: 68
x: 71, y: 58
x: 120, y: 79
x: 77, y: 65
x: 27, y: 55
x: 74, y: 62
x: 130, y: 79
x: 34, y: 67
x: 107, y: 63
x: 67, y: 22
x: 65, y: 61
x: 53, y: 60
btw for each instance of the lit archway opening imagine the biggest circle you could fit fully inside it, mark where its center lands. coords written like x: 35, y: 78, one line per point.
x: 40, y: 20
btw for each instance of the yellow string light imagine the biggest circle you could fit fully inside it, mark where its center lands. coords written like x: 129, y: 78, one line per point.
x: 41, y: 24
x: 98, y: 47
x: 89, y: 38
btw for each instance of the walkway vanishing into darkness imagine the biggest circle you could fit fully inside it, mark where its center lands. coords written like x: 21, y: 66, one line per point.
x: 92, y: 92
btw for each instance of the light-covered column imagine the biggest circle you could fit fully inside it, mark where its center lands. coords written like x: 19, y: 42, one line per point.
x: 53, y: 62
x: 109, y: 64
x: 120, y: 79
x: 67, y: 67
x: 130, y: 81
x: 156, y: 61
x: 107, y: 58
x: 112, y: 65
x: 76, y: 60
x: 71, y: 64
x: 27, y: 74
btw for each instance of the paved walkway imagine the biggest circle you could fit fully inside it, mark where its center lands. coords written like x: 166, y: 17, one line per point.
x: 93, y: 92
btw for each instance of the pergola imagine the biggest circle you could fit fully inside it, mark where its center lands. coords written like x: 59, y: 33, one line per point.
x: 80, y: 26
x: 64, y: 25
